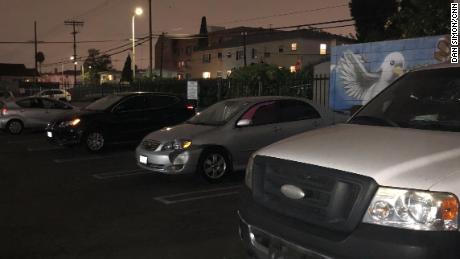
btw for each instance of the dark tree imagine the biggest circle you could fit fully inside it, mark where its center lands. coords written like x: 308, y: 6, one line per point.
x: 203, y: 41
x: 127, y: 73
x: 40, y: 59
x: 96, y: 63
x: 371, y: 18
x: 418, y: 18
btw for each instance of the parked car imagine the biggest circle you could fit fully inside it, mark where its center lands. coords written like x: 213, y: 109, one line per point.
x: 58, y: 94
x: 30, y: 112
x: 385, y: 185
x: 119, y: 118
x: 221, y: 138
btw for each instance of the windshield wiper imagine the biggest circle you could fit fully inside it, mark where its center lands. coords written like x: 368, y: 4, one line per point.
x: 373, y: 121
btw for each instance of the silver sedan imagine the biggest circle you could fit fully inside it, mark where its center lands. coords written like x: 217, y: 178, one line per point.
x: 222, y: 137
x: 31, y: 112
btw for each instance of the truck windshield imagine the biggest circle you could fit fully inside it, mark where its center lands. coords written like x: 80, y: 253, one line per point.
x: 428, y: 100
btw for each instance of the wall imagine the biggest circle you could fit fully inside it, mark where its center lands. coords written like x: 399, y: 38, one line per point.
x: 361, y: 71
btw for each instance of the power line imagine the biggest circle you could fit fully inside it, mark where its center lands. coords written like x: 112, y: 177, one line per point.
x: 282, y: 14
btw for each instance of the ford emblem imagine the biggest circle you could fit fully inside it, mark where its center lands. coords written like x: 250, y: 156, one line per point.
x: 292, y: 192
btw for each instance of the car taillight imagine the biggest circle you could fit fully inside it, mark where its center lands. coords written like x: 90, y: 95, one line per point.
x: 4, y: 111
x: 190, y: 107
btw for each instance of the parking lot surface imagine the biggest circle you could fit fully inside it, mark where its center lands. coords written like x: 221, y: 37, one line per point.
x: 66, y: 203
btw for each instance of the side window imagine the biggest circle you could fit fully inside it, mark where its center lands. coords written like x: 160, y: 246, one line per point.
x: 51, y: 104
x: 135, y: 103
x: 56, y: 92
x: 263, y: 113
x: 29, y: 103
x: 45, y: 93
x: 156, y: 101
x: 293, y: 110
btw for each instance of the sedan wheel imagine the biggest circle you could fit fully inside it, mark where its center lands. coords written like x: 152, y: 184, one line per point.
x: 14, y: 127
x: 214, y: 166
x: 95, y: 141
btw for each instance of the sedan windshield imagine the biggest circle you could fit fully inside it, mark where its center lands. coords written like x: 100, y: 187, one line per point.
x: 219, y: 113
x: 421, y: 100
x: 104, y: 103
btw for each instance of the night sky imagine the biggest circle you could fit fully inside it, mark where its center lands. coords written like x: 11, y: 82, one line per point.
x: 111, y: 20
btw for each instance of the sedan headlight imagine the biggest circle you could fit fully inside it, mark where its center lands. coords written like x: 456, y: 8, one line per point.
x: 249, y: 172
x: 177, y: 145
x: 412, y: 209
x: 71, y: 123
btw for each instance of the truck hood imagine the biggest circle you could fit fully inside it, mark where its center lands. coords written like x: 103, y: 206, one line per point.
x: 181, y: 131
x: 397, y: 157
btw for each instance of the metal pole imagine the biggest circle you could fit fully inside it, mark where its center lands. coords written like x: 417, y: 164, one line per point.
x: 161, y: 54
x: 35, y: 54
x: 150, y: 40
x: 75, y: 56
x: 244, y: 43
x: 134, y: 49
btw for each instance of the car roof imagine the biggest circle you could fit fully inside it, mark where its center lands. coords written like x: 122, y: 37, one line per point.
x: 437, y: 66
x: 139, y: 93
x: 256, y: 99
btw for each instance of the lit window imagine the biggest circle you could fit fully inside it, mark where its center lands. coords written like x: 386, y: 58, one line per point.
x: 110, y: 77
x: 206, y: 75
x: 294, y: 46
x: 229, y: 72
x: 292, y: 69
x: 323, y: 49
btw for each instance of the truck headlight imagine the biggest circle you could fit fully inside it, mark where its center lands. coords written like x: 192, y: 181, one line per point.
x: 249, y: 170
x: 413, y: 209
x: 71, y: 123
x: 177, y: 145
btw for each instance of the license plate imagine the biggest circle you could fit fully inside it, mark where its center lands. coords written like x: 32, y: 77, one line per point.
x: 49, y: 134
x: 143, y: 160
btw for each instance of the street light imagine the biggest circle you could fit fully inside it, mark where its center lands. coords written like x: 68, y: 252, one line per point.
x: 138, y: 11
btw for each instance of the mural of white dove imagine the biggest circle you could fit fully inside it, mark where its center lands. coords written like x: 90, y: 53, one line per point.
x: 364, y: 85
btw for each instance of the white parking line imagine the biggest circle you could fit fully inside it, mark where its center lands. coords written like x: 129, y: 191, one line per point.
x: 38, y: 149
x: 207, y: 194
x: 87, y: 158
x: 117, y: 174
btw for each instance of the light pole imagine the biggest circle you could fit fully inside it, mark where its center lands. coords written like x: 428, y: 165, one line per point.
x: 138, y: 11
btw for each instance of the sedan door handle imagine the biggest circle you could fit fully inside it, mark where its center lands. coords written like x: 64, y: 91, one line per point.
x: 277, y: 129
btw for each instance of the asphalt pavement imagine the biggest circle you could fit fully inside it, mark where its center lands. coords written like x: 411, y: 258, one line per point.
x: 60, y: 202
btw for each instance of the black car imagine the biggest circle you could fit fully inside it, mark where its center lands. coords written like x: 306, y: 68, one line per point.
x: 120, y: 117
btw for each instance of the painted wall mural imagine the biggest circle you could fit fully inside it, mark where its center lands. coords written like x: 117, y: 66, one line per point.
x: 361, y: 71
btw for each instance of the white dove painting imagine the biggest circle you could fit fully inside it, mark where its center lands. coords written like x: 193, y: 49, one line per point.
x: 363, y: 85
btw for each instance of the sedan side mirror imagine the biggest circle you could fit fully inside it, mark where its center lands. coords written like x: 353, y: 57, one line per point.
x: 243, y: 123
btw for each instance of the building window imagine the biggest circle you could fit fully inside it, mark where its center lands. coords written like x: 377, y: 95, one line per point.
x: 254, y: 54
x: 207, y: 58
x: 294, y: 46
x: 239, y: 54
x: 229, y: 54
x: 219, y: 55
x: 181, y: 64
x: 292, y: 69
x: 189, y: 50
x: 266, y: 54
x: 229, y: 72
x: 220, y: 74
x: 281, y: 49
x: 206, y: 75
x: 323, y: 49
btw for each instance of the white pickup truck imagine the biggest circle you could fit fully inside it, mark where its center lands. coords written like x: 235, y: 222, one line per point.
x: 384, y: 185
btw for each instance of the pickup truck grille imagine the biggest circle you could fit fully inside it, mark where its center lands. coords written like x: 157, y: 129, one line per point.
x: 150, y: 145
x: 333, y: 199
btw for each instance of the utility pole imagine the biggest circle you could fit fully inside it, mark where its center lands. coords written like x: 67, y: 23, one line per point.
x: 74, y: 25
x: 150, y: 40
x: 244, y: 45
x: 162, y: 43
x: 35, y: 54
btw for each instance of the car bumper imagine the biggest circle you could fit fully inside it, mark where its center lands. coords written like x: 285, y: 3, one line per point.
x: 3, y: 122
x: 169, y: 162
x: 63, y: 136
x: 270, y: 235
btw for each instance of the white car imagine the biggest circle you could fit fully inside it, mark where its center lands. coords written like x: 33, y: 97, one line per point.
x: 384, y: 185
x: 58, y: 94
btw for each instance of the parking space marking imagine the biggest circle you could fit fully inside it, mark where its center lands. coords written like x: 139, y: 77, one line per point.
x: 117, y: 174
x: 87, y: 158
x: 38, y: 149
x: 198, y: 195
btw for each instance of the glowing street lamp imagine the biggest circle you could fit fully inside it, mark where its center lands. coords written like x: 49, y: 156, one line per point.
x: 137, y: 12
